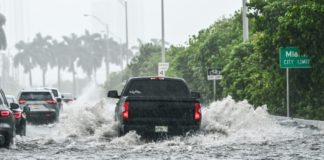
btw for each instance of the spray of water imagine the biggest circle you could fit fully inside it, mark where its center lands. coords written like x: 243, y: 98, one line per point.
x: 90, y: 118
x: 90, y: 115
x: 227, y: 121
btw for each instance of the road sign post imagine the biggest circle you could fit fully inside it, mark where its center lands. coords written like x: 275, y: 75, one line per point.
x: 214, y: 74
x: 214, y: 89
x: 163, y: 67
x: 287, y: 84
x: 290, y: 57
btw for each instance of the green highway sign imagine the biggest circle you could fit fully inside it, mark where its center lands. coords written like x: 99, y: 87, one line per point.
x: 290, y: 58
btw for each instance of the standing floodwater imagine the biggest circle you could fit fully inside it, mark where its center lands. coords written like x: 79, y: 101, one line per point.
x: 230, y: 130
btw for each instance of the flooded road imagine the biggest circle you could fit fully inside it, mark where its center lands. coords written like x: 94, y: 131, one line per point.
x: 230, y: 130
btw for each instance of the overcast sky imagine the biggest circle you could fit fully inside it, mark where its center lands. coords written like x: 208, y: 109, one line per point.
x: 183, y: 18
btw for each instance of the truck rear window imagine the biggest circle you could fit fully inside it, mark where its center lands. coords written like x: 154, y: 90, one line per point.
x: 35, y: 96
x: 160, y: 88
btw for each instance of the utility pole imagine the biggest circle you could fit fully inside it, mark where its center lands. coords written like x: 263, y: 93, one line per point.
x: 245, y: 22
x: 124, y: 3
x: 126, y: 19
x: 162, y: 47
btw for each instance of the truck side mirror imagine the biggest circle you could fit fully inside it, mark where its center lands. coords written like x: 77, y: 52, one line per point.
x: 113, y: 94
x: 195, y: 95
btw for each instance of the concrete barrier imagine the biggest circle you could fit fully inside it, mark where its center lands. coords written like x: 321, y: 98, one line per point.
x: 302, y: 122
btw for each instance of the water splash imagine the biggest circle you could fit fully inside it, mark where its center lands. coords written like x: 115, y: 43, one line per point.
x: 90, y: 115
x: 229, y: 130
x: 227, y: 121
x: 228, y: 116
x: 90, y: 118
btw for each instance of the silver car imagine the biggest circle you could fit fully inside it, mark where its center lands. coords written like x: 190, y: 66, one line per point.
x: 42, y: 106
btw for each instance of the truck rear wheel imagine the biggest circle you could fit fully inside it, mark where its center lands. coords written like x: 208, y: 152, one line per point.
x: 119, y: 132
x: 8, y: 140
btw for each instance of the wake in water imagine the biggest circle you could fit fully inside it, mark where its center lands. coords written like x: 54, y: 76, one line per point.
x: 222, y: 120
x: 240, y: 120
x: 91, y: 115
x: 229, y: 130
x: 90, y: 118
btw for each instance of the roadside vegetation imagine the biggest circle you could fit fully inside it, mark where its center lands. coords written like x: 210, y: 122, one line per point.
x: 251, y: 69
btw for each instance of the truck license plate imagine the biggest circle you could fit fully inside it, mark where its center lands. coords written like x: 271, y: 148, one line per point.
x: 161, y: 128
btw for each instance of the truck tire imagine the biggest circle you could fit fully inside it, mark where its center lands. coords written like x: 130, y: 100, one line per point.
x: 8, y: 140
x: 120, y: 133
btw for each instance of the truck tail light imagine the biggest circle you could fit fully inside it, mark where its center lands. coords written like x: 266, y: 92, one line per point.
x: 4, y: 113
x: 197, y: 114
x: 125, y: 113
x: 22, y: 101
x: 51, y: 101
x: 17, y: 115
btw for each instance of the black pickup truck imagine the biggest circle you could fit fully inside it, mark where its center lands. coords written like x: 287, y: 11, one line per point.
x: 157, y: 105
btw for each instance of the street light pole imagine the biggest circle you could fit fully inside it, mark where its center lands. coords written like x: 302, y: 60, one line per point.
x: 163, y: 43
x: 126, y: 19
x: 124, y: 3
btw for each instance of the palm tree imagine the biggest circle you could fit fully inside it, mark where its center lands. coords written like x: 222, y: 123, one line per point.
x: 127, y: 54
x: 111, y: 53
x: 115, y: 52
x: 24, y: 57
x: 41, y: 46
x: 73, y: 49
x: 59, y: 56
x: 91, y: 57
x: 3, y: 39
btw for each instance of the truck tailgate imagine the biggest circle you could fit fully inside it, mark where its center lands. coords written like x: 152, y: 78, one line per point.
x: 151, y: 110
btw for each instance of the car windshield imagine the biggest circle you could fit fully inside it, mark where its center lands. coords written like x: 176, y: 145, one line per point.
x: 161, y: 88
x: 36, y: 96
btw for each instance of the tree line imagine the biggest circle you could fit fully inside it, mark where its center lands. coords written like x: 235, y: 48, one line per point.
x: 88, y: 51
x: 250, y: 69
